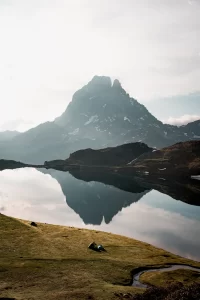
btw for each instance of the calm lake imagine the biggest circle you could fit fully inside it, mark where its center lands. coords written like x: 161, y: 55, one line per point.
x: 132, y: 209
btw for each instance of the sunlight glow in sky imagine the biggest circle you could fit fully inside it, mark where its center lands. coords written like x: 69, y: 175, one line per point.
x: 50, y: 48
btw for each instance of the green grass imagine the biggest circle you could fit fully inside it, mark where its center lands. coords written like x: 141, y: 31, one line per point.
x: 54, y: 262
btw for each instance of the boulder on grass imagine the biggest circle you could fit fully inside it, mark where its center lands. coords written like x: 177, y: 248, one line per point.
x: 33, y: 224
x: 93, y: 246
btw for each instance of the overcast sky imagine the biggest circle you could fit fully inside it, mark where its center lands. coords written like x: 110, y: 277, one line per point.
x: 50, y: 48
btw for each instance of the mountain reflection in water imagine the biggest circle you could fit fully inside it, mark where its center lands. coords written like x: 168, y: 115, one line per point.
x: 147, y: 209
x: 93, y: 201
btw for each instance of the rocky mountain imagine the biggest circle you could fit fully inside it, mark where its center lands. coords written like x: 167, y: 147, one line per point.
x: 101, y: 114
x: 104, y: 112
x: 191, y: 130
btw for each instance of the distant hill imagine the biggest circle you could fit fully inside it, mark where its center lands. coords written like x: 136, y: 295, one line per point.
x: 113, y: 156
x: 181, y: 159
x: 101, y: 114
x: 8, y: 135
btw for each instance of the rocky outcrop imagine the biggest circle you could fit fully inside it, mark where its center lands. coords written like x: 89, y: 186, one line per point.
x: 181, y: 159
x: 113, y: 156
x: 117, y: 84
x: 99, y: 82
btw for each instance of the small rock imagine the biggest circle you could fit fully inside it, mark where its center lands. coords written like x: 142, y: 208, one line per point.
x: 33, y: 224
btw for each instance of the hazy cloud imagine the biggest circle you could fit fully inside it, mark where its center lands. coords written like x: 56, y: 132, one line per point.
x: 19, y: 125
x: 49, y: 49
x: 185, y: 119
x: 194, y: 2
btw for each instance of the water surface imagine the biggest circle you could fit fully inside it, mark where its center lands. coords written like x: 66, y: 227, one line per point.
x: 135, y: 209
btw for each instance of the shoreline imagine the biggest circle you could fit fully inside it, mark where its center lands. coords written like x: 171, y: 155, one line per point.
x: 58, y: 263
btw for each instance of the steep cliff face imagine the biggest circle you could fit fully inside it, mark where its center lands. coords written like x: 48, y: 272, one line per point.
x: 106, y: 114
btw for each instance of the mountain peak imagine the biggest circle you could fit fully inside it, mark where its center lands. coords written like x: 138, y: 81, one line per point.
x: 101, y: 81
x: 117, y: 84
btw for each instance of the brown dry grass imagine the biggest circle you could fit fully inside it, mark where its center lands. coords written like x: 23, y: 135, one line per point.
x: 160, y: 279
x: 54, y: 262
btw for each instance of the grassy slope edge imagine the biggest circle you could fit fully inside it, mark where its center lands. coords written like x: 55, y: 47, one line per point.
x: 54, y: 262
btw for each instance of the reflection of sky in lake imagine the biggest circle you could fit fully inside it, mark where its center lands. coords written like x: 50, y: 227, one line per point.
x: 156, y: 218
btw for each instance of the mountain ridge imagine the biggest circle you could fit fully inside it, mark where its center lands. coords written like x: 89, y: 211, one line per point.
x: 8, y: 134
x: 101, y: 114
x: 179, y: 160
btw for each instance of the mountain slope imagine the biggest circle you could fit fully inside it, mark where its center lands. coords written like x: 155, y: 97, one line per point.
x: 101, y: 114
x: 104, y: 112
x: 54, y: 262
x: 34, y: 145
x: 192, y: 129
x: 181, y: 159
x: 8, y: 135
x: 113, y: 156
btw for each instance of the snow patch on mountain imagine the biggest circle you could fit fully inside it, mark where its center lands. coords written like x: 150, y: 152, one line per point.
x: 76, y: 131
x: 81, y: 114
x: 93, y: 119
x: 130, y: 163
x: 127, y: 119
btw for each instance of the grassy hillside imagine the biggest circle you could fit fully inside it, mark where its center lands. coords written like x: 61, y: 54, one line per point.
x: 181, y: 159
x: 54, y: 262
